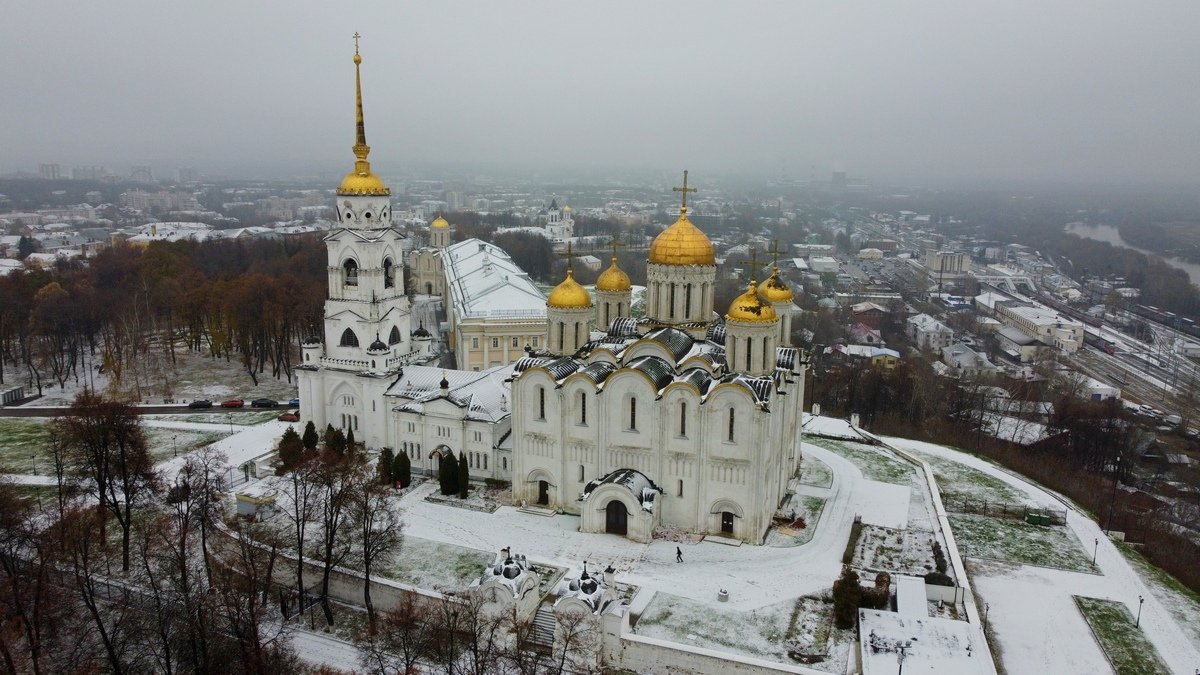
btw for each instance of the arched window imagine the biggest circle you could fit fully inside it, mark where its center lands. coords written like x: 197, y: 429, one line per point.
x: 633, y: 414
x: 349, y: 339
x: 389, y: 272
x: 749, y: 352
x: 672, y: 302
x: 687, y: 301
x: 351, y: 269
x: 731, y: 416
x: 541, y: 403
x: 561, y: 328
x: 394, y: 336
x: 583, y: 407
x: 683, y: 418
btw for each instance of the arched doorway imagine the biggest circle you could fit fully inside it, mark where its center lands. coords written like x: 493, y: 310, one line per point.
x: 428, y: 288
x: 616, y: 518
x: 543, y: 493
x: 727, y: 523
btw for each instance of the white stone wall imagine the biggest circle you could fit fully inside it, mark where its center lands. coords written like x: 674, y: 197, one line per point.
x: 680, y: 293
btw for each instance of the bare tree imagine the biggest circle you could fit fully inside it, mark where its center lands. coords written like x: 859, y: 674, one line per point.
x: 398, y: 640
x: 379, y: 529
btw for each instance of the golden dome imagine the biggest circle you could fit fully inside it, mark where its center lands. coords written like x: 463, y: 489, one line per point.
x: 751, y: 308
x: 774, y: 289
x: 613, y: 279
x: 682, y: 244
x: 366, y: 183
x: 569, y: 294
x: 439, y: 222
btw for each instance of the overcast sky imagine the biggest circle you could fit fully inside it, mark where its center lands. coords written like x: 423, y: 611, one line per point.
x: 904, y: 92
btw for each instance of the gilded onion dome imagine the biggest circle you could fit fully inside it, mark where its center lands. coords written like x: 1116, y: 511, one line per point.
x: 569, y: 294
x: 682, y: 244
x: 361, y: 181
x: 751, y: 308
x: 439, y: 223
x: 775, y: 289
x: 613, y: 279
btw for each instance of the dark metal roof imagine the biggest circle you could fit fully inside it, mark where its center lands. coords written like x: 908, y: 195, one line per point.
x: 676, y: 342
x: 623, y: 327
x: 599, y: 371
x: 716, y: 332
x: 697, y: 377
x: 526, y: 362
x: 787, y: 358
x: 561, y: 367
x: 659, y: 371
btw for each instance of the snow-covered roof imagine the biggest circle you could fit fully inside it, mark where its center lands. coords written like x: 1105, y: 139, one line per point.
x: 484, y: 282
x: 510, y: 571
x: 931, y: 645
x: 484, y: 394
x: 928, y: 324
x: 642, y: 488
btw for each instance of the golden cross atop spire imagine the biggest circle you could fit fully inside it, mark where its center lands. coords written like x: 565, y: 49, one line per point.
x: 685, y: 190
x: 568, y: 255
x: 356, y: 37
x: 753, y: 265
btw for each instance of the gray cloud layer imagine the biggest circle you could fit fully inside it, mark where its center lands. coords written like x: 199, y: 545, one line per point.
x: 906, y: 91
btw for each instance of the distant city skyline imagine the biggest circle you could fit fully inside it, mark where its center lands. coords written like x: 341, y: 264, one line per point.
x: 927, y: 93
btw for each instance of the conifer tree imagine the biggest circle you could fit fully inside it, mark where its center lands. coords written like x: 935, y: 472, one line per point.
x: 448, y: 474
x: 310, y: 437
x: 290, y: 449
x: 402, y: 470
x: 464, y: 476
x: 384, y: 467
x: 350, y: 440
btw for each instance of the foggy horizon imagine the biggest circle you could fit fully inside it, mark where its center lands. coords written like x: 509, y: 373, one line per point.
x: 932, y: 93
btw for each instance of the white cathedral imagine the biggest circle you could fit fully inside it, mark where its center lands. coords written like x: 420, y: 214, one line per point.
x: 681, y: 420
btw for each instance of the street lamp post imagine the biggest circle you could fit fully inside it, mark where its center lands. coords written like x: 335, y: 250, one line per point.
x: 174, y: 448
x: 1095, y: 551
x: 1138, y: 623
x: 1113, y: 501
x: 229, y: 416
x: 900, y: 657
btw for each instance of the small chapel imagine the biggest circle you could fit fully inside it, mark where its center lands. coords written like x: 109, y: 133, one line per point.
x: 683, y: 419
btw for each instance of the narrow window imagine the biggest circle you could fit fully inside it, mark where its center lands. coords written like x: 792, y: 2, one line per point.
x: 561, y: 328
x: 576, y: 343
x: 765, y: 355
x: 580, y: 473
x: 749, y: 351
x: 495, y: 343
x: 535, y: 341
x: 731, y: 424
x: 583, y: 407
x: 541, y: 403
x: 672, y: 303
x: 680, y: 487
x: 683, y: 418
x: 389, y: 278
x: 504, y: 463
x: 687, y: 301
x: 633, y: 414
x: 514, y: 341
x: 351, y: 272
x: 485, y: 462
x: 474, y: 343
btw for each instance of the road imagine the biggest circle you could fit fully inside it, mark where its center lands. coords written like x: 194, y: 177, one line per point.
x: 57, y: 411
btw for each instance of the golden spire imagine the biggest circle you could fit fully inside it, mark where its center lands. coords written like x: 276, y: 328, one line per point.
x: 360, y: 181
x: 682, y: 243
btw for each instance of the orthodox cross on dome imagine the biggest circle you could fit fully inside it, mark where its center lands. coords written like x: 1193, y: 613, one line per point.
x: 775, y: 252
x: 616, y: 243
x: 685, y: 190
x: 753, y: 264
x: 569, y: 255
x: 356, y: 37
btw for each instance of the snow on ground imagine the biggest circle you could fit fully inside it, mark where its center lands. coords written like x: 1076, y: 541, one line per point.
x: 829, y: 427
x: 1034, y: 617
x: 241, y: 447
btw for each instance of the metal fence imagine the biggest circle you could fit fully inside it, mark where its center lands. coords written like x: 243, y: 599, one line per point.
x: 1025, y: 512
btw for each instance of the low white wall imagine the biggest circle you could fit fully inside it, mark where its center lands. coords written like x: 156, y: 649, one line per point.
x: 647, y: 655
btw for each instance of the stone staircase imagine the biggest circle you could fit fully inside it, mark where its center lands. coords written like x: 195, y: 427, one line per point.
x: 543, y: 627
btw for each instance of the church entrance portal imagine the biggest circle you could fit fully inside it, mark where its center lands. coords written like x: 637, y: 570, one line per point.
x: 616, y: 518
x: 543, y: 493
x: 727, y: 523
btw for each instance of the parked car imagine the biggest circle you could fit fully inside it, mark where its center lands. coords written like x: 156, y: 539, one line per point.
x: 289, y: 416
x: 263, y: 403
x: 233, y: 403
x: 295, y: 403
x: 200, y: 404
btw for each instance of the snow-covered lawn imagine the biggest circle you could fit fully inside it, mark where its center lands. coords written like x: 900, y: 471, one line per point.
x: 1124, y: 643
x: 1020, y: 542
x: 815, y: 472
x: 959, y: 482
x: 239, y: 418
x: 802, y: 624
x: 20, y: 440
x: 435, y: 565
x: 875, y: 462
x: 167, y: 443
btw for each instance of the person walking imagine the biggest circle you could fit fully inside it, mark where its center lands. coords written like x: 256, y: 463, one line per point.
x: 678, y: 554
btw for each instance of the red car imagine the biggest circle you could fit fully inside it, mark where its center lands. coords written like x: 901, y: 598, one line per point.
x: 233, y: 403
x: 289, y: 416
